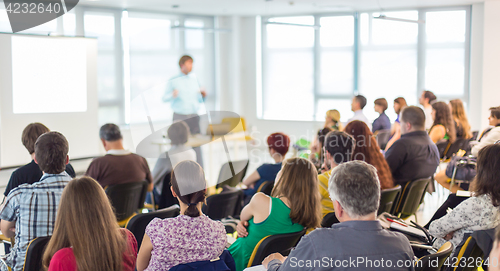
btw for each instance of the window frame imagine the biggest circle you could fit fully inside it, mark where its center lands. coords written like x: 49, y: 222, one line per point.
x: 421, y: 54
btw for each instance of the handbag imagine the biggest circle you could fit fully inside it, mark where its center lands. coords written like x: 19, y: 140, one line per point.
x: 462, y: 168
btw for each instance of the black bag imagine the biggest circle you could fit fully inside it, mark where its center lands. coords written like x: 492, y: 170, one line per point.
x: 465, y: 168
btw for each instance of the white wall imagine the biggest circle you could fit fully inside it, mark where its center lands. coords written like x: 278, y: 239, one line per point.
x: 491, y: 60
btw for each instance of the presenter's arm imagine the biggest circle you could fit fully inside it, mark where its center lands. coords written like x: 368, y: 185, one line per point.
x: 170, y: 92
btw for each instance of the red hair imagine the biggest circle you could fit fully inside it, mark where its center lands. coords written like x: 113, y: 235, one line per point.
x: 367, y: 149
x: 279, y: 142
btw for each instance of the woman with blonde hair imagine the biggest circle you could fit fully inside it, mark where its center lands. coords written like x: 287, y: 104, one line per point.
x: 294, y: 205
x: 332, y: 120
x: 86, y: 235
x: 462, y: 125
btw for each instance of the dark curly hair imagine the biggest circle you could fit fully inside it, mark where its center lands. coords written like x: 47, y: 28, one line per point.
x: 488, y: 169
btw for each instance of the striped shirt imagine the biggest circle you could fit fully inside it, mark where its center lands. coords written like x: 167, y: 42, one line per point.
x: 34, y: 208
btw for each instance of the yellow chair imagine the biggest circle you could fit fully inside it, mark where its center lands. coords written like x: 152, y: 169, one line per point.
x: 470, y: 250
x: 281, y: 243
x: 426, y: 263
x: 233, y: 122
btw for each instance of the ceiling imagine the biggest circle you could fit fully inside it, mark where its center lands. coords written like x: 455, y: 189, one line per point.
x: 270, y: 7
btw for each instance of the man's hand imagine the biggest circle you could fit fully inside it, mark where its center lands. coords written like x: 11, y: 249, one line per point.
x: 203, y: 93
x: 241, y: 228
x: 175, y: 93
x: 274, y: 256
x: 449, y: 236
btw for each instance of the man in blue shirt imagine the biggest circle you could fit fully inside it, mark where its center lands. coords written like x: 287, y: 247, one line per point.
x: 186, y: 97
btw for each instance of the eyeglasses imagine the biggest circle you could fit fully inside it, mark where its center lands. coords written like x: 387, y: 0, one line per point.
x: 497, y: 142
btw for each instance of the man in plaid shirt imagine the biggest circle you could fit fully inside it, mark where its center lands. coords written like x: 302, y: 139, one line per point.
x: 30, y: 210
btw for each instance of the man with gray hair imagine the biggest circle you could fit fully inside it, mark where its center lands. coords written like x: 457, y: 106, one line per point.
x: 118, y: 165
x: 357, y: 243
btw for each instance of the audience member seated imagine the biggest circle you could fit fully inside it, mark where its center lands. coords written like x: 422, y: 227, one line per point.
x: 293, y: 205
x: 355, y: 191
x: 118, y: 166
x: 490, y: 135
x: 441, y: 176
x: 357, y: 105
x: 366, y: 149
x: 332, y: 120
x: 278, y: 144
x: 443, y: 127
x: 84, y: 239
x: 399, y: 104
x: 426, y: 100
x: 31, y: 173
x: 481, y: 211
x: 414, y: 155
x: 29, y: 211
x: 382, y: 122
x: 495, y: 252
x: 189, y: 237
x: 462, y: 126
x: 317, y: 154
x: 338, y: 148
x: 178, y: 133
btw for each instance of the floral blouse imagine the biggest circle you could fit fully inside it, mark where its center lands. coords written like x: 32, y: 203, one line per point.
x: 473, y: 214
x: 184, y: 239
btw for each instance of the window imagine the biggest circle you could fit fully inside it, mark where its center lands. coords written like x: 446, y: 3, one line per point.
x: 323, y: 67
x: 388, y: 60
x: 445, y: 52
x: 288, y: 76
x: 101, y: 25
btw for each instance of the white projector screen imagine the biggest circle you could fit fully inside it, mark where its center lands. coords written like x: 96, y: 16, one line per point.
x: 51, y: 80
x: 48, y: 75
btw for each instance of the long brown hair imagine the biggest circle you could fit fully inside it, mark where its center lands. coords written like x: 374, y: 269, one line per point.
x: 458, y: 113
x: 367, y: 149
x: 488, y: 169
x: 299, y: 184
x: 86, y: 222
x: 402, y: 103
x: 443, y: 117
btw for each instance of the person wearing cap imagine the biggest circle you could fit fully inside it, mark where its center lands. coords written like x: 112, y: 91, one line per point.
x: 332, y: 120
x: 118, y: 166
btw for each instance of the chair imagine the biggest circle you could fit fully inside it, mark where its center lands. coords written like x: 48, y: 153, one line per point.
x: 469, y: 250
x: 281, y: 243
x: 266, y: 187
x: 222, y: 205
x: 427, y: 263
x: 447, y: 150
x: 226, y: 176
x: 137, y: 224
x: 411, y: 198
x: 167, y: 199
x: 383, y: 137
x: 127, y: 199
x: 34, y: 253
x: 224, y: 262
x: 387, y: 199
x: 328, y: 220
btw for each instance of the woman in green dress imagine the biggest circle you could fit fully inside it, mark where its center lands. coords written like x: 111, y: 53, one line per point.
x: 294, y: 205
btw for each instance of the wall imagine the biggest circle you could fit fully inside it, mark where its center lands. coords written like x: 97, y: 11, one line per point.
x: 491, y: 60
